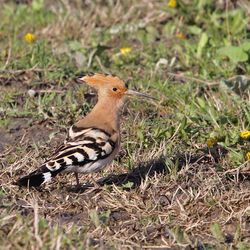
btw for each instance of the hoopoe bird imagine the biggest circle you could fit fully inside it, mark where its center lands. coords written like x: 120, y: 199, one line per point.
x: 92, y: 142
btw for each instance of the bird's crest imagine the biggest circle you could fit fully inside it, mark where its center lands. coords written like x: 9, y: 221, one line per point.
x: 99, y: 79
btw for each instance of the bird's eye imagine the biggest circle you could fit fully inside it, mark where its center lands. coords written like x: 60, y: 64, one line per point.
x: 114, y: 89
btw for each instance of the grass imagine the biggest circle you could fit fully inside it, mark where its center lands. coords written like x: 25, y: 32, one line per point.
x: 166, y: 188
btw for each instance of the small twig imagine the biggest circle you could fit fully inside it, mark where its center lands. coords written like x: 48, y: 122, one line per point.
x: 50, y: 91
x: 19, y: 71
x: 91, y: 56
x: 9, y: 55
x: 184, y: 77
x: 175, y: 133
x: 227, y: 20
x: 32, y: 92
x: 235, y: 76
x: 36, y: 222
x: 7, y: 152
x: 101, y: 65
x: 236, y: 170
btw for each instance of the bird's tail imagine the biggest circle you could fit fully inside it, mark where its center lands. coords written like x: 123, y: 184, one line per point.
x: 37, y: 178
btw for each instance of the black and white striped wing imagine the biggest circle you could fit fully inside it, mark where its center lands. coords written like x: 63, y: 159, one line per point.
x: 82, y: 149
x: 87, y: 150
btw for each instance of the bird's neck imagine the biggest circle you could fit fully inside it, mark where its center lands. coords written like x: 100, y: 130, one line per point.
x: 107, y: 113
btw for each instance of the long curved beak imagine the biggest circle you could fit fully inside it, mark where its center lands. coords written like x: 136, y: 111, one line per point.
x: 131, y: 92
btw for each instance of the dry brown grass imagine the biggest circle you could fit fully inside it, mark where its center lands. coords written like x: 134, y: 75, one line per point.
x: 159, y: 209
x: 163, y: 191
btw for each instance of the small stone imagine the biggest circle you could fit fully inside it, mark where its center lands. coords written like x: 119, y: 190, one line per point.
x: 31, y: 92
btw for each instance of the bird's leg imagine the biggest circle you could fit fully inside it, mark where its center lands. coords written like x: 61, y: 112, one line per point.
x: 77, y: 179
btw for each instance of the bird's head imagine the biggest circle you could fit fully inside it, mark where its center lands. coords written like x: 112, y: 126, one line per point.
x: 110, y: 86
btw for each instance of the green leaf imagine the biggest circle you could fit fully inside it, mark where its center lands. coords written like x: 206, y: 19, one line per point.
x: 202, y: 43
x: 152, y: 34
x: 94, y: 217
x: 216, y: 231
x: 236, y: 21
x: 129, y: 184
x: 235, y: 54
x: 237, y: 234
x: 75, y: 45
x: 37, y: 5
x: 245, y: 46
x: 194, y: 30
x: 201, y: 103
x: 104, y: 216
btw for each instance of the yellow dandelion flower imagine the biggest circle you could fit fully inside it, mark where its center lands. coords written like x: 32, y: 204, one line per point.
x: 125, y: 51
x: 181, y: 36
x: 248, y: 156
x: 211, y: 142
x: 245, y: 134
x: 172, y: 3
x: 29, y: 38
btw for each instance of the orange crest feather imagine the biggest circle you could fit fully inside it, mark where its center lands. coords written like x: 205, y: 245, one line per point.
x: 101, y: 79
